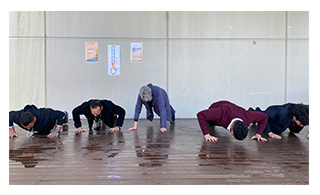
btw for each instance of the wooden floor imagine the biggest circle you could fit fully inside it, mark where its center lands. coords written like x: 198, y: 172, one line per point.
x: 179, y: 156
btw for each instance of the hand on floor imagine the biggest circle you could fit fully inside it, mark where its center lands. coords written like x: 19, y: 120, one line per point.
x: 210, y: 138
x: 114, y: 129
x: 53, y: 135
x: 259, y: 138
x: 163, y: 130
x: 274, y: 136
x: 80, y: 130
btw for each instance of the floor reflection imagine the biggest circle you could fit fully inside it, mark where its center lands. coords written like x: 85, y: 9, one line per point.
x: 31, y: 151
x: 156, y: 147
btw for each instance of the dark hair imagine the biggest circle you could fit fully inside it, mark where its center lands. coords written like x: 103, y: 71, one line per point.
x: 26, y: 118
x: 240, y: 130
x: 95, y: 103
x: 301, y: 112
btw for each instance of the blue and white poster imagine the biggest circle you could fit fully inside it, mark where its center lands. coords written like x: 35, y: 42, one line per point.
x: 113, y: 59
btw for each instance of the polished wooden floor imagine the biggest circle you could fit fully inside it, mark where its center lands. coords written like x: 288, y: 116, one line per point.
x: 147, y: 156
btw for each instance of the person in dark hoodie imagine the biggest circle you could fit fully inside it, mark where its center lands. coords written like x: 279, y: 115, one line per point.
x: 37, y: 120
x: 97, y: 111
x: 281, y: 117
x: 152, y: 96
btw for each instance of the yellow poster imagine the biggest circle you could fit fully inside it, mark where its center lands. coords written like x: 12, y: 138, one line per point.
x: 136, y: 51
x: 91, y: 52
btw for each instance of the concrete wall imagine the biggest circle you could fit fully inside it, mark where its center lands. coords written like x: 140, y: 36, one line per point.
x: 27, y: 59
x: 250, y: 58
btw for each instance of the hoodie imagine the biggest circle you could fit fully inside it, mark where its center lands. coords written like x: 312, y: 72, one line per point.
x: 46, y: 118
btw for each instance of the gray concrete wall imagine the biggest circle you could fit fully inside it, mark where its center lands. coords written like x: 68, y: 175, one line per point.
x: 27, y: 59
x: 250, y: 58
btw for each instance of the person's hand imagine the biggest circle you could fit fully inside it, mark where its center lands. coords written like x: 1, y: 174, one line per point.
x: 135, y: 125
x: 259, y: 138
x: 80, y: 130
x: 274, y: 136
x: 132, y: 129
x: 210, y: 138
x: 53, y: 135
x: 12, y: 135
x: 163, y: 129
x: 308, y: 135
x: 114, y: 129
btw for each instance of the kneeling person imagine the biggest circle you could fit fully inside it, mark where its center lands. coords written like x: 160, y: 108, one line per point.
x: 154, y: 98
x: 37, y: 120
x: 233, y: 118
x: 96, y: 111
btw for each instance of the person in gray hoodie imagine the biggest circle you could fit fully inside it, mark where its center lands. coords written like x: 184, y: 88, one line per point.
x: 37, y: 120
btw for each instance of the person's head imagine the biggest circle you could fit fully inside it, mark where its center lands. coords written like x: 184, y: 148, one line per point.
x: 27, y: 120
x: 239, y: 130
x: 95, y: 107
x: 145, y: 93
x: 300, y: 114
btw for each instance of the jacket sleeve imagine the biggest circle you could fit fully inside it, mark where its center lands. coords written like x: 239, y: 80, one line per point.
x: 272, y: 112
x: 60, y: 116
x: 13, y: 115
x: 121, y: 112
x: 208, y: 115
x: 57, y: 115
x: 137, y: 109
x: 260, y: 118
x: 76, y: 116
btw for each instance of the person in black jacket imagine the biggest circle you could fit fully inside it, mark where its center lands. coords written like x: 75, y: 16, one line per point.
x: 97, y: 110
x: 37, y: 120
x: 281, y: 117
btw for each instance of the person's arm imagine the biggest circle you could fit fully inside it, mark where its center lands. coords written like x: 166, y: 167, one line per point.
x: 59, y: 115
x: 76, y: 118
x: 262, y: 120
x: 137, y: 111
x: 12, y: 132
x: 121, y: 113
x: 208, y: 115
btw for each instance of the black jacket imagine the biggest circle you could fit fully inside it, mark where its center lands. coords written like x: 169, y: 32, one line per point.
x: 280, y: 119
x: 46, y: 118
x: 107, y: 114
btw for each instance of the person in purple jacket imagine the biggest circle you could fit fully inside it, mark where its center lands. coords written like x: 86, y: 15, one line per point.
x: 154, y: 98
x: 232, y: 117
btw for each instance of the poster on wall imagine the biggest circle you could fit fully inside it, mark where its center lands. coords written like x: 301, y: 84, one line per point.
x: 136, y: 53
x: 113, y: 59
x: 91, y: 52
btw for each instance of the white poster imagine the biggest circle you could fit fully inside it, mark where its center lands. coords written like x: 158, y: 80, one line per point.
x: 113, y: 59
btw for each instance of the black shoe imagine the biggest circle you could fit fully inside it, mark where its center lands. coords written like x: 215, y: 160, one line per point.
x: 65, y: 118
x: 251, y: 109
x: 173, y: 119
x: 258, y: 109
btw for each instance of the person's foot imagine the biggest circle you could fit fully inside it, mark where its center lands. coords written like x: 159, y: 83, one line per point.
x: 258, y: 109
x: 66, y: 118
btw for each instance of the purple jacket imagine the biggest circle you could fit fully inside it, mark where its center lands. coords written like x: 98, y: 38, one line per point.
x: 160, y: 105
x: 222, y: 112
